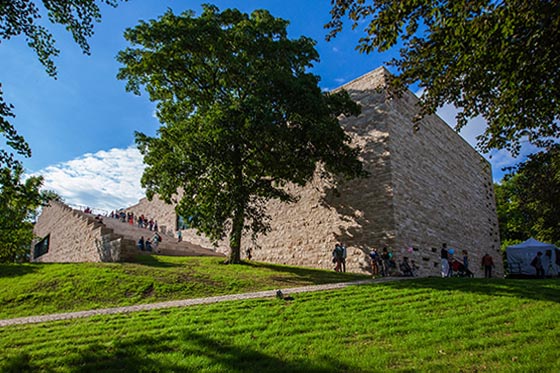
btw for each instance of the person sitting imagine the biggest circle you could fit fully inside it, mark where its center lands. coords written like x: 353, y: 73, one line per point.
x: 405, y: 267
x: 148, y: 245
x: 140, y: 244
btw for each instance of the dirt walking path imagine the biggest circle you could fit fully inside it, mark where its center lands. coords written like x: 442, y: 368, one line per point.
x: 186, y: 302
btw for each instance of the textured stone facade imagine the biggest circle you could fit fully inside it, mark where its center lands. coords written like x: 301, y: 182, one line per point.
x: 76, y: 237
x: 426, y: 187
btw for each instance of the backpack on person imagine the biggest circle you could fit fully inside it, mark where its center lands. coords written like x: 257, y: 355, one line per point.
x: 338, y: 252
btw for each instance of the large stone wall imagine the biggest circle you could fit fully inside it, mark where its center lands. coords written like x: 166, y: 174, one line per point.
x: 443, y: 191
x: 76, y: 237
x: 425, y: 188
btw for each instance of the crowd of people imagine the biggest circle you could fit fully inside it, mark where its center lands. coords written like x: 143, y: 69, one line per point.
x: 144, y: 244
x: 150, y: 244
x: 130, y: 218
x: 452, y: 266
x: 385, y: 263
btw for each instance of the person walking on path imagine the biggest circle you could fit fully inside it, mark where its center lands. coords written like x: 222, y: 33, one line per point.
x: 487, y: 264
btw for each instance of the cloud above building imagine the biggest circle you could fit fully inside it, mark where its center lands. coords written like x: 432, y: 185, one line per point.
x: 105, y: 180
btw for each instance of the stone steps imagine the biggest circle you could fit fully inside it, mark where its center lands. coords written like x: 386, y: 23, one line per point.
x: 168, y: 246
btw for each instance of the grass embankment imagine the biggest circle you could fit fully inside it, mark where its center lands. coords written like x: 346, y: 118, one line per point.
x: 37, y: 289
x: 447, y: 325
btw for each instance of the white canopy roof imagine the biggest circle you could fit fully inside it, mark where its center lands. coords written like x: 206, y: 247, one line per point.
x: 519, y: 257
x: 531, y: 243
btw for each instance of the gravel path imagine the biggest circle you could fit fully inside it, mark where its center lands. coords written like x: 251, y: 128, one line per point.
x: 185, y: 303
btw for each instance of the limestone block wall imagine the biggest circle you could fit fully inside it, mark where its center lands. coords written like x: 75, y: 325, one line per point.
x: 76, y: 237
x: 424, y: 188
x: 358, y: 213
x: 443, y: 191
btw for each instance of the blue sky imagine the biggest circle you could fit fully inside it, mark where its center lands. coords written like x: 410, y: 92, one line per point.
x: 81, y: 126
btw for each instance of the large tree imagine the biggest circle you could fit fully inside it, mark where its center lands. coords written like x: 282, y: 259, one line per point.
x: 18, y: 198
x: 241, y: 116
x: 498, y: 59
x: 528, y: 199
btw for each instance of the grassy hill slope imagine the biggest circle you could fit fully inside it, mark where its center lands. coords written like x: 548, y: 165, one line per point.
x: 37, y: 289
x: 433, y: 324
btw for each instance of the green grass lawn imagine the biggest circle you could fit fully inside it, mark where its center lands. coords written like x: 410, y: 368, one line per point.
x: 443, y: 325
x: 37, y: 289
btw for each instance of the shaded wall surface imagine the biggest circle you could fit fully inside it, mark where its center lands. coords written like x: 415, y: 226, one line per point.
x: 76, y: 237
x: 425, y: 188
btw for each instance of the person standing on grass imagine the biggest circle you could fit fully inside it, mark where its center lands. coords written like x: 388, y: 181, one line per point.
x: 537, y: 263
x: 444, y: 261
x: 467, y: 271
x: 343, y: 260
x: 337, y: 257
x: 374, y: 257
x: 487, y: 264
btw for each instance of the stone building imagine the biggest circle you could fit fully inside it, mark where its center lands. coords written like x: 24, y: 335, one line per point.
x: 68, y: 235
x: 426, y: 187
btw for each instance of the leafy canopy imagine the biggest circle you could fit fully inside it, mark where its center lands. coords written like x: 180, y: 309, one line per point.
x: 241, y: 116
x: 18, y: 199
x: 497, y: 59
x: 21, y: 17
x: 528, y: 199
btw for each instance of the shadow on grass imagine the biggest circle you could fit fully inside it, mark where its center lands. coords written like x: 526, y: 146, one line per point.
x: 186, y: 352
x: 314, y: 276
x: 13, y: 270
x: 154, y: 261
x: 547, y: 290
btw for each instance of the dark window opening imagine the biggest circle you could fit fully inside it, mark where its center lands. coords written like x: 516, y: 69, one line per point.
x: 41, y: 247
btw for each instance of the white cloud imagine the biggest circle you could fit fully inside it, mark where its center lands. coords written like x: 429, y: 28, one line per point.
x: 106, y: 180
x: 340, y: 80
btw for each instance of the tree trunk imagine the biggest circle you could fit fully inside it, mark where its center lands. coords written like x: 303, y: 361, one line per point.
x: 235, y: 237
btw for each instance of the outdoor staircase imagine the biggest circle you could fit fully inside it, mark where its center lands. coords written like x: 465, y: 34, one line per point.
x: 168, y: 245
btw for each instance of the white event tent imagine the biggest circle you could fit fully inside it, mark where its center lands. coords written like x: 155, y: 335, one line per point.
x: 519, y: 258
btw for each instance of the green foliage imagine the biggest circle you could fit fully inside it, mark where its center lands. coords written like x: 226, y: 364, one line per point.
x: 241, y: 116
x: 528, y: 198
x: 19, y: 17
x: 420, y: 325
x: 497, y: 59
x: 37, y: 289
x: 18, y: 203
x: 19, y: 200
